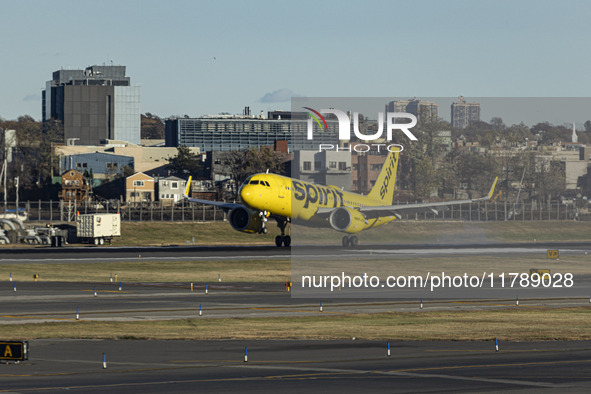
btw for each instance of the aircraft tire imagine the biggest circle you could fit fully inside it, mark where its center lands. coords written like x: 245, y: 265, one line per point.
x: 286, y: 241
x: 265, y: 230
x: 353, y: 241
x: 346, y: 241
x: 278, y: 240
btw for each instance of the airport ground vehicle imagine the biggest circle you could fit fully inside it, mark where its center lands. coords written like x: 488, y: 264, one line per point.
x: 97, y: 228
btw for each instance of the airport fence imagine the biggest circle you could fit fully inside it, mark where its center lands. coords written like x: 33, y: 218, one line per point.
x: 52, y: 211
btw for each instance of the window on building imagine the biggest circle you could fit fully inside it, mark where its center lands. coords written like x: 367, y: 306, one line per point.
x: 332, y: 164
x: 81, y: 165
x: 307, y: 165
x: 174, y: 185
x: 375, y: 167
x: 342, y: 165
x: 138, y: 183
x: 112, y: 166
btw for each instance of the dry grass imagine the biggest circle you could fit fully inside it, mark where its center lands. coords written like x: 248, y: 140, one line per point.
x: 153, y: 271
x: 279, y: 270
x: 516, y: 324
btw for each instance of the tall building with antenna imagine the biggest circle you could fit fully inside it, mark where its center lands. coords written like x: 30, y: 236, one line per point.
x: 95, y: 104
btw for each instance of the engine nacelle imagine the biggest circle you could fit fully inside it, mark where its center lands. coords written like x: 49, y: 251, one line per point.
x: 347, y: 220
x: 245, y: 220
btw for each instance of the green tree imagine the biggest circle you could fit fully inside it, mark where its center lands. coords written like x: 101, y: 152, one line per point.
x: 184, y: 163
x: 243, y: 163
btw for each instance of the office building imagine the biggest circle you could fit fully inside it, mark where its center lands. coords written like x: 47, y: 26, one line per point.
x: 94, y: 105
x: 234, y: 132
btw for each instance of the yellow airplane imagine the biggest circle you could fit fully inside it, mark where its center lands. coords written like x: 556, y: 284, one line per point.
x: 286, y: 199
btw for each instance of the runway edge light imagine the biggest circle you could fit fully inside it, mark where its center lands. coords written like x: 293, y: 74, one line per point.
x: 388, y: 353
x: 496, y: 345
x: 104, y: 361
x: 245, y: 354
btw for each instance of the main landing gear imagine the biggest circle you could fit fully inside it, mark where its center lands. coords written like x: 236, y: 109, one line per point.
x: 282, y: 239
x: 350, y: 241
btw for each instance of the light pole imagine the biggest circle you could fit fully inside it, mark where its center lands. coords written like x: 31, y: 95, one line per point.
x: 16, y: 185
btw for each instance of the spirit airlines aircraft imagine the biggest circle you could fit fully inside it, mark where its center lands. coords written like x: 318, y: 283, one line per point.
x: 285, y: 200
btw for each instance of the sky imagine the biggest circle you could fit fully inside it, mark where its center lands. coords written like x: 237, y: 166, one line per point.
x: 208, y: 57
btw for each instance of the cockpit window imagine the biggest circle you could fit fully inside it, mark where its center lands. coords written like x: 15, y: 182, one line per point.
x: 247, y: 180
x: 265, y: 183
x: 255, y: 182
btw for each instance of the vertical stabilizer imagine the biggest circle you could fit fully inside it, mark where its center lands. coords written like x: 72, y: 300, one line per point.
x: 384, y: 188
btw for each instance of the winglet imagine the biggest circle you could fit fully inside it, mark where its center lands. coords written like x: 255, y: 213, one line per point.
x: 492, y: 188
x: 188, y: 186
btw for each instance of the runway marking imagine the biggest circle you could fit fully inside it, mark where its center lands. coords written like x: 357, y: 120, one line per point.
x: 403, y: 373
x: 36, y: 317
x: 508, y: 304
x: 314, y: 373
x: 505, y: 351
x: 494, y: 365
x: 293, y: 310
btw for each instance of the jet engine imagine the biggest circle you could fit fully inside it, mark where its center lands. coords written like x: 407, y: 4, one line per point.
x: 347, y: 220
x: 245, y: 220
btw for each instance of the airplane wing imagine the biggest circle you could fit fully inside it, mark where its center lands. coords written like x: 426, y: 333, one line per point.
x: 226, y: 206
x: 399, y: 209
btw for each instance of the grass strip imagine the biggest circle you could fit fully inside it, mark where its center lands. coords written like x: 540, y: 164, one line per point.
x: 515, y: 324
x: 220, y: 233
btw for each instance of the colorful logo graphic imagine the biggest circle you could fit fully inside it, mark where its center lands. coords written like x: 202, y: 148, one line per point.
x: 345, y: 124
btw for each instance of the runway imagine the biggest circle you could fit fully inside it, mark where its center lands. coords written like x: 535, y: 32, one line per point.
x: 298, y: 366
x: 85, y: 254
x: 61, y: 301
x: 285, y: 366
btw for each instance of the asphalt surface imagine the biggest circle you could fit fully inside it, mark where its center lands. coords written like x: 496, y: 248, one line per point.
x: 91, y: 253
x: 298, y: 366
x: 285, y: 366
x: 38, y: 302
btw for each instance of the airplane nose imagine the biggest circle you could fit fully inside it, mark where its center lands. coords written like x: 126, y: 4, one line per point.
x: 245, y: 193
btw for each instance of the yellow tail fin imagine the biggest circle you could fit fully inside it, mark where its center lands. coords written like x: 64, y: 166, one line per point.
x: 384, y: 188
x: 188, y: 188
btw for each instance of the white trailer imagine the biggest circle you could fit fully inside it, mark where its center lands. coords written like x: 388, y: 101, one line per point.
x: 98, y: 227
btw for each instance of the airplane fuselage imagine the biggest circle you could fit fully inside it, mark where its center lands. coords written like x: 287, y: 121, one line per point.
x: 301, y: 200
